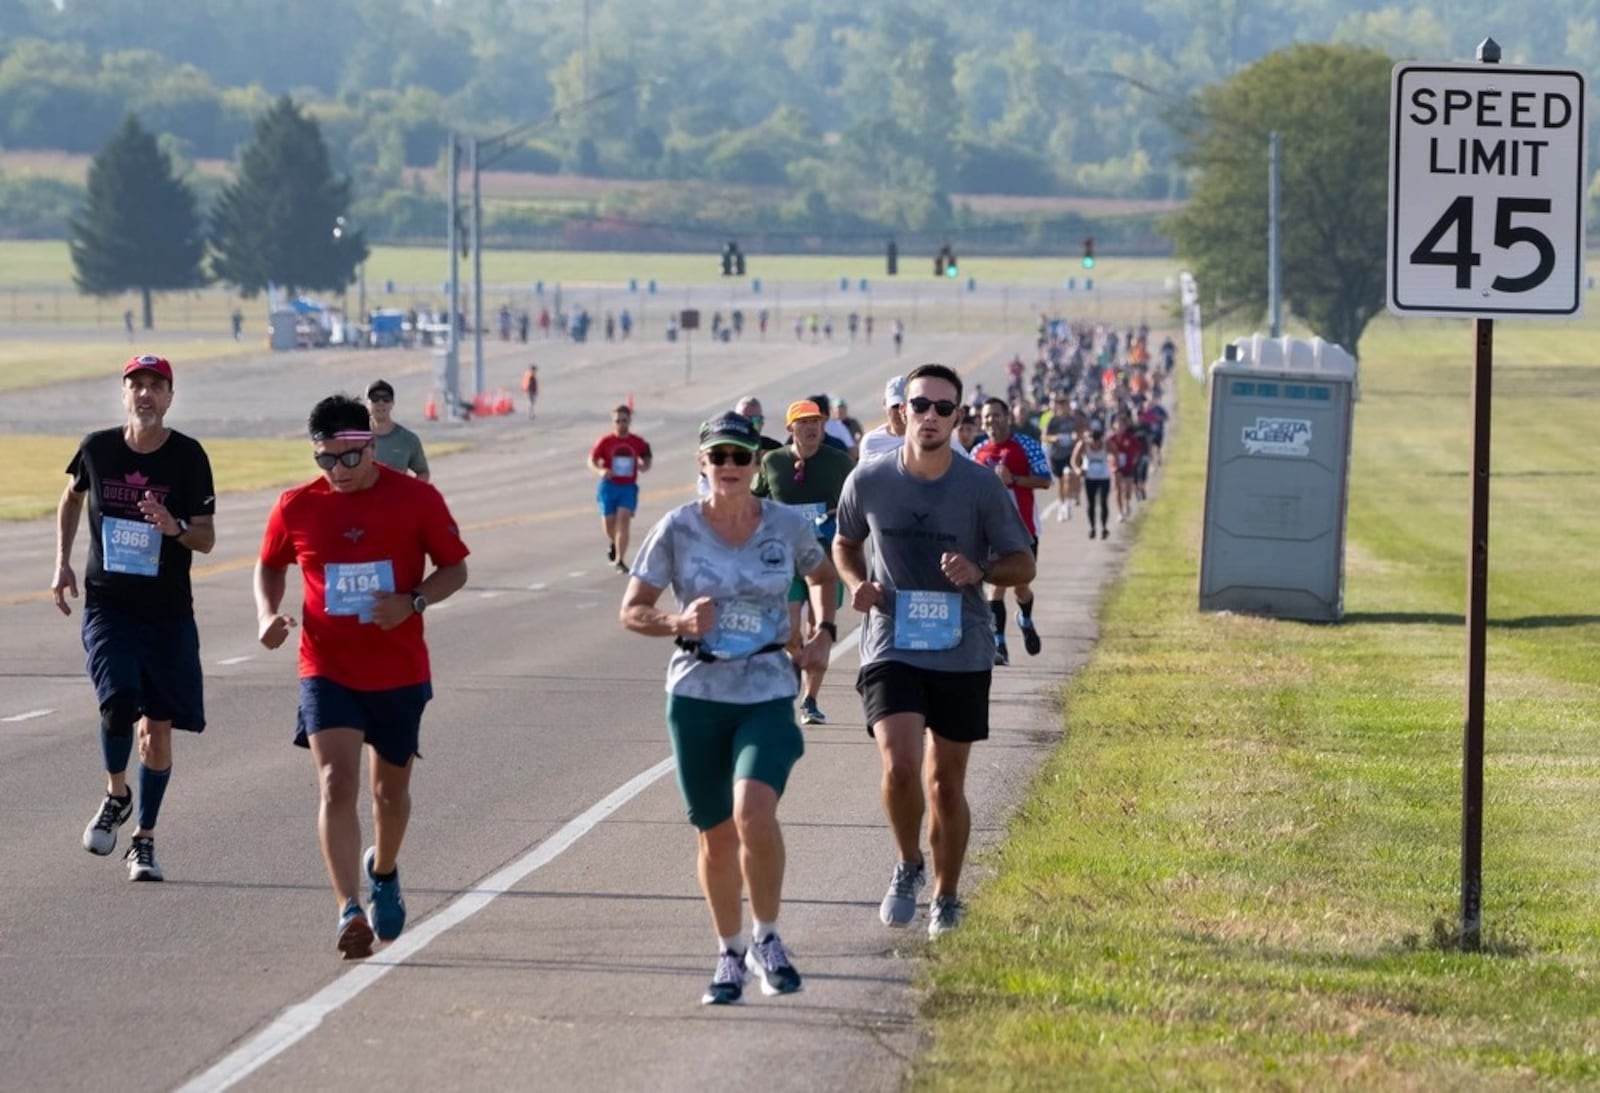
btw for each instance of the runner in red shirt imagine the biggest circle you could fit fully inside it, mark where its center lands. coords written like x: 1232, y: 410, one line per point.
x: 362, y: 535
x: 1128, y: 447
x: 619, y: 458
x: 1023, y: 467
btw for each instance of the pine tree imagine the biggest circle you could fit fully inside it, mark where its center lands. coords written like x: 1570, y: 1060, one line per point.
x: 138, y: 229
x: 274, y: 224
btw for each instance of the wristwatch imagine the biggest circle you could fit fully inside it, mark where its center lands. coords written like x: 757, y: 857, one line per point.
x: 830, y: 629
x: 183, y: 526
x: 419, y: 603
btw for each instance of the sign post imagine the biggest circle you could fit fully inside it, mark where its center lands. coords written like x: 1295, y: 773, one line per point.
x: 1476, y: 153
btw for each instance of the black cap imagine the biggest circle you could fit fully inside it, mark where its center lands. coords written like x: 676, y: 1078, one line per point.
x: 380, y: 387
x: 730, y: 428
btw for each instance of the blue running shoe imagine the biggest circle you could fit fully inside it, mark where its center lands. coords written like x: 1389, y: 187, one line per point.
x: 388, y: 908
x: 355, y: 934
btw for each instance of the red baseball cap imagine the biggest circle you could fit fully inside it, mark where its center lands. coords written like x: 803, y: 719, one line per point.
x: 148, y: 362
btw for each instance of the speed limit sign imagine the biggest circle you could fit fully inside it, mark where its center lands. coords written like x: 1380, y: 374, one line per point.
x: 1486, y: 191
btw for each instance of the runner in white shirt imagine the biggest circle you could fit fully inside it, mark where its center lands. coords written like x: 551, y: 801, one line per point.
x: 890, y: 436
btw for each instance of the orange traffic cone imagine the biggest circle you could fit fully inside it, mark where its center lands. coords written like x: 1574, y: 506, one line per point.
x: 430, y: 409
x: 481, y: 406
x: 502, y: 402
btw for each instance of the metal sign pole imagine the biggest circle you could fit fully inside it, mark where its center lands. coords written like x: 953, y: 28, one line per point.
x: 1477, y: 619
x: 1477, y: 623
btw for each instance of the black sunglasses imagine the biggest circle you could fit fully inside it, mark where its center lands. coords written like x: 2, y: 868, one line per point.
x: 943, y: 407
x: 352, y: 458
x: 740, y: 456
x: 380, y: 398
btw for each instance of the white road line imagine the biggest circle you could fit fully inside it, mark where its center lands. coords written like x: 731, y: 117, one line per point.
x: 538, y: 586
x: 577, y: 573
x: 28, y: 715
x: 237, y: 660
x: 299, y: 1021
x: 585, y: 605
x: 487, y: 595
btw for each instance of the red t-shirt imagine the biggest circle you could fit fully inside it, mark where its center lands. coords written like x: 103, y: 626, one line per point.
x: 621, y: 454
x: 1015, y: 458
x: 1129, y: 448
x: 400, y: 521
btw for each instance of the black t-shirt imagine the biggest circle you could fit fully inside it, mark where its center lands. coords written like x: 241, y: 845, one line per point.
x: 149, y: 572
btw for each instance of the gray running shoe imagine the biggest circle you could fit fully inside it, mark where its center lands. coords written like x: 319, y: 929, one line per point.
x: 100, y: 837
x: 810, y: 714
x: 900, y: 902
x: 770, y: 962
x: 944, y: 914
x: 141, y: 859
x: 727, y: 982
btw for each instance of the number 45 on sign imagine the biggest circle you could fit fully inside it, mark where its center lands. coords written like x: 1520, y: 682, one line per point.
x: 1486, y: 191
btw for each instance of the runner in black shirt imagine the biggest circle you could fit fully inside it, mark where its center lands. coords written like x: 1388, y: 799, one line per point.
x: 151, y: 500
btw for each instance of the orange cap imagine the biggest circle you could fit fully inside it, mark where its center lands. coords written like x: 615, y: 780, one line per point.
x: 803, y: 409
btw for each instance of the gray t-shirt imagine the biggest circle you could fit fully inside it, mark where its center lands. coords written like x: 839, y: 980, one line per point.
x: 750, y: 584
x: 401, y: 449
x: 907, y: 524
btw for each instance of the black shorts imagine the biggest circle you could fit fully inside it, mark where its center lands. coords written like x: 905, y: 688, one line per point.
x: 1060, y: 465
x: 390, y: 720
x: 961, y: 698
x: 152, y: 661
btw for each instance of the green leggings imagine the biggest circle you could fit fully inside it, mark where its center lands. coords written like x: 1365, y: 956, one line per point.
x: 718, y: 743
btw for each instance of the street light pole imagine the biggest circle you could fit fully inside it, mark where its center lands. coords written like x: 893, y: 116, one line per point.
x: 1274, y: 265
x: 477, y: 268
x: 452, y: 343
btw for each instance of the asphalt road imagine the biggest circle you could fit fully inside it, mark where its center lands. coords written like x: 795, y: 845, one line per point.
x: 557, y: 936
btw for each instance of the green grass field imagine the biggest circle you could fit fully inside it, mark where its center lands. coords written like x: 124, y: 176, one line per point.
x: 1240, y: 869
x: 37, y: 468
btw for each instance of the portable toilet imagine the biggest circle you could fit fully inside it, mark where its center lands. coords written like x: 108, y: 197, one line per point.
x: 1277, y: 479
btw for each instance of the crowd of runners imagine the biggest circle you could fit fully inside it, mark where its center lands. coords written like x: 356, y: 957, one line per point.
x: 921, y: 523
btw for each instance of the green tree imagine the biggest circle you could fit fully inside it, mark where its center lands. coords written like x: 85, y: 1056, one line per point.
x: 274, y: 224
x: 138, y: 229
x: 1329, y: 106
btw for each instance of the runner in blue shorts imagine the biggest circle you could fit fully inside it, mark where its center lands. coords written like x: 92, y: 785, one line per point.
x: 151, y: 501
x: 619, y: 458
x: 728, y: 560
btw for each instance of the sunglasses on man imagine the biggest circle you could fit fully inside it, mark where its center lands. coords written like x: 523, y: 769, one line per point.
x: 739, y: 456
x: 352, y: 458
x: 943, y: 407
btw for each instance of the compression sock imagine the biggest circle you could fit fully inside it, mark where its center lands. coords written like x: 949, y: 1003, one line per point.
x: 997, y: 608
x: 116, y: 750
x: 1024, y: 613
x: 152, y: 788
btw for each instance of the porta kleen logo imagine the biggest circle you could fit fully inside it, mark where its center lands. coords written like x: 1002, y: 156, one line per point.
x: 1278, y: 436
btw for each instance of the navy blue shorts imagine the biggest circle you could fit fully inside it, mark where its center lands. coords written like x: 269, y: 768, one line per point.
x: 390, y: 720
x: 151, y: 662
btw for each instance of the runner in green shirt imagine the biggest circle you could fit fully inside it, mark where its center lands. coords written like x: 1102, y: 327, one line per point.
x: 808, y: 476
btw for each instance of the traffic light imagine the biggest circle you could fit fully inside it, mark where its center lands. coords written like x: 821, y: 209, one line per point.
x: 952, y: 267
x: 1088, y: 252
x: 945, y: 264
x: 738, y: 262
x: 893, y: 258
x: 728, y: 251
